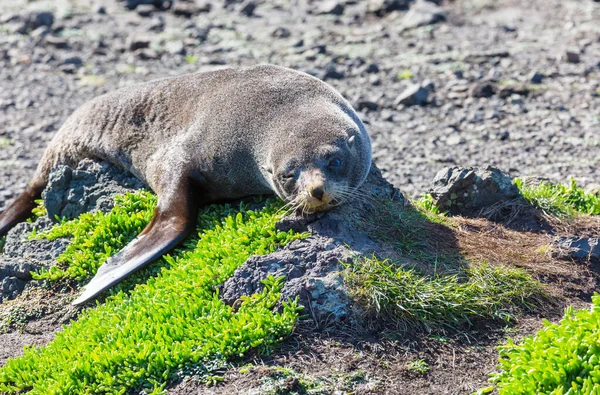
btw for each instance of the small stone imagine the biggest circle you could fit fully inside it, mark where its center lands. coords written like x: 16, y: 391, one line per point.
x: 189, y: 10
x: 417, y: 94
x: 573, y: 56
x: 372, y: 68
x: 157, y: 24
x: 74, y: 60
x: 454, y: 139
x: 68, y: 68
x: 422, y: 13
x: 367, y: 105
x: 99, y: 9
x: 136, y: 43
x: 146, y: 54
x: 175, y: 48
x: 281, y: 32
x: 145, y: 10
x: 384, y: 7
x: 249, y: 8
x: 536, y: 78
x: 56, y: 42
x: 482, y: 89
x: 333, y: 7
x: 331, y: 72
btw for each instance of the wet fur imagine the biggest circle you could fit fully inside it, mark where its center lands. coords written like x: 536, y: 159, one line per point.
x: 205, y: 137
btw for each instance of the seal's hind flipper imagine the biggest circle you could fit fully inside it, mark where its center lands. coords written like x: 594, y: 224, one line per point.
x: 168, y: 227
x: 20, y: 209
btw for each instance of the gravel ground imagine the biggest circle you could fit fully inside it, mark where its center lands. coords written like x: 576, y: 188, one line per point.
x: 479, y: 100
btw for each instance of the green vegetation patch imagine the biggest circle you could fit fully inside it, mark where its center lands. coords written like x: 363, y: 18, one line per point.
x: 560, y: 200
x: 174, y: 321
x: 405, y: 298
x: 561, y: 358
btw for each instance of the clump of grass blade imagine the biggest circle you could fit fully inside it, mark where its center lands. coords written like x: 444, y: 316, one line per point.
x: 394, y: 296
x: 560, y: 200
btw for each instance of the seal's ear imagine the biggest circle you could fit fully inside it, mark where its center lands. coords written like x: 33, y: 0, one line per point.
x: 351, y: 140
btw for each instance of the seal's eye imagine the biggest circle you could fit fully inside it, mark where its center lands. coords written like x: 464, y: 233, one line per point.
x: 337, y: 162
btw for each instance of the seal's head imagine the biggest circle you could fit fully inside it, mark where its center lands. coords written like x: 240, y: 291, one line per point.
x: 321, y: 161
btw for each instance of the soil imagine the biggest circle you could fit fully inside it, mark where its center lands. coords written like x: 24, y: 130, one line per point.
x: 484, y: 106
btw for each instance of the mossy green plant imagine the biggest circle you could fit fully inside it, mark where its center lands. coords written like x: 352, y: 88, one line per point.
x: 172, y: 322
x: 561, y: 358
x: 560, y: 200
x: 404, y: 298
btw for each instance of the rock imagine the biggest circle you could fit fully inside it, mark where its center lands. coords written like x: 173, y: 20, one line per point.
x: 516, y: 89
x: 157, y: 24
x: 175, y: 48
x: 281, y: 32
x: 90, y: 186
x: 372, y: 68
x: 572, y: 56
x: 417, y: 94
x: 366, y: 105
x: 99, y: 9
x: 57, y: 42
x: 74, y: 60
x: 33, y: 20
x: 423, y: 13
x: 145, y: 10
x: 536, y: 78
x: 384, y: 7
x: 466, y: 191
x: 333, y: 7
x: 135, y: 43
x: 312, y: 267
x: 249, y: 8
x: 158, y: 4
x: 189, y: 10
x: 482, y: 89
x: 331, y: 72
x: 581, y: 249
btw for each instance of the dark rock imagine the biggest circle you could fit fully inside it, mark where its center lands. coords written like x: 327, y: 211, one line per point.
x: 516, y: 89
x: 74, y: 60
x: 189, y: 10
x: 68, y: 68
x: 249, y: 8
x: 367, y: 105
x: 581, y: 249
x: 537, y: 78
x: 158, y: 4
x: 57, y: 42
x: 136, y: 43
x: 281, y: 32
x: 312, y: 267
x: 331, y: 72
x: 423, y: 13
x: 482, y: 89
x: 372, y: 68
x: 417, y: 94
x: 90, y: 186
x: 157, y: 24
x: 466, y: 191
x: 573, y: 56
x: 145, y: 10
x: 99, y: 9
x: 383, y: 7
x: 333, y: 7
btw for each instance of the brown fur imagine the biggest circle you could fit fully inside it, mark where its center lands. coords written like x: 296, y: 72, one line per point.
x: 218, y: 135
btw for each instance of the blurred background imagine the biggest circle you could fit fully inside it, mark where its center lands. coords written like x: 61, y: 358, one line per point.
x: 513, y: 84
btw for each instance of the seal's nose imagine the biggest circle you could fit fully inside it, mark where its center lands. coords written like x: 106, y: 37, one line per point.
x: 317, y: 192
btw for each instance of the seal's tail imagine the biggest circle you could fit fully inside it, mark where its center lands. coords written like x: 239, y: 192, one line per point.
x: 20, y: 209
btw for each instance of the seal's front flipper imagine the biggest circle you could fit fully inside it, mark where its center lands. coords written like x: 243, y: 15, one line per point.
x: 20, y: 209
x: 169, y: 226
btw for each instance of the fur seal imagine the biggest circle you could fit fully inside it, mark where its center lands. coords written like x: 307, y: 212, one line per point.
x: 204, y: 137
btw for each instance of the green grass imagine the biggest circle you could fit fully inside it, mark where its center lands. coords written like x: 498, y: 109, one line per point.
x: 419, y: 366
x: 394, y: 296
x: 171, y: 323
x: 561, y: 358
x: 560, y: 200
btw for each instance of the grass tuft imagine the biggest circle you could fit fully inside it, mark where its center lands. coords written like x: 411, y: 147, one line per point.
x: 558, y: 200
x: 561, y: 358
x: 394, y: 296
x: 170, y: 324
